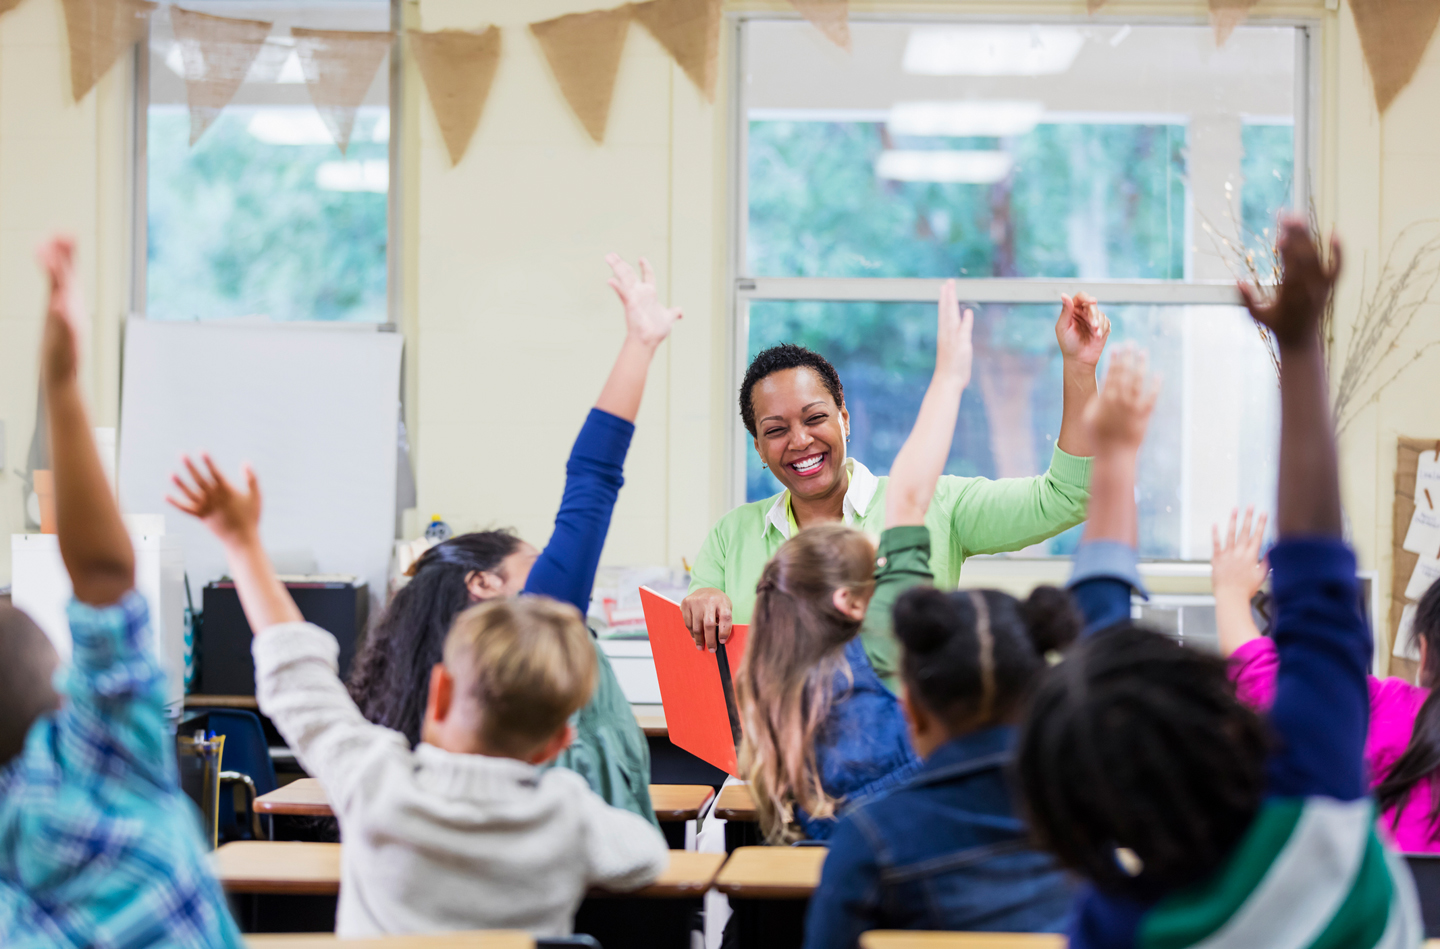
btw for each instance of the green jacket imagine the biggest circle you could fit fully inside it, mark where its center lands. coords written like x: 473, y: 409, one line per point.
x: 902, y: 562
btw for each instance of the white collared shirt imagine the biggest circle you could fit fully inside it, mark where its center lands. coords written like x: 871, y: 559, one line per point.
x: 857, y: 500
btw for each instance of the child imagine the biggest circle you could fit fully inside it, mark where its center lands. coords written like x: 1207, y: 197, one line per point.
x: 1194, y: 821
x: 464, y: 831
x: 390, y: 675
x: 820, y: 727
x: 1402, y: 745
x: 98, y: 846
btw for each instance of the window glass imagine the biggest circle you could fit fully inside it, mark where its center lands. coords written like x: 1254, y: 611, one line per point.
x: 1093, y: 151
x: 264, y: 216
x: 1211, y: 440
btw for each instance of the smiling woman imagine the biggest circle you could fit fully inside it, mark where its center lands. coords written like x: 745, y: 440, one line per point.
x: 793, y: 405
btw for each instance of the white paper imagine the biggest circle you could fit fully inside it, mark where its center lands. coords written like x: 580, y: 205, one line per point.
x: 1423, y: 537
x: 1405, y: 645
x: 1427, y: 571
x: 1427, y: 477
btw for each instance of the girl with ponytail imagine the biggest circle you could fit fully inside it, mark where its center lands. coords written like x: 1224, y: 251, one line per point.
x: 1402, y: 746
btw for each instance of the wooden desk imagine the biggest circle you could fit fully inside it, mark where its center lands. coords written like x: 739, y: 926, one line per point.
x: 772, y: 873
x: 222, y: 701
x: 487, y: 939
x: 679, y: 802
x: 689, y: 876
x: 658, y: 916
x: 882, y: 939
x: 735, y: 803
x: 278, y: 867
x: 653, y: 725
x: 302, y: 798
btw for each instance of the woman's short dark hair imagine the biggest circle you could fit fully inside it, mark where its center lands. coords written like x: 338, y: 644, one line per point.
x: 1137, y: 742
x: 1421, y: 758
x: 391, y: 675
x: 971, y: 657
x: 778, y: 359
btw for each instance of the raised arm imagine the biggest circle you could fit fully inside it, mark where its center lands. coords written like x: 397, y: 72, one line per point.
x: 922, y: 458
x: 1237, y: 571
x: 94, y: 544
x: 233, y: 516
x: 594, y: 474
x: 1081, y: 331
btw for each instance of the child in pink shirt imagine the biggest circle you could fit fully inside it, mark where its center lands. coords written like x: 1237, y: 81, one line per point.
x: 1402, y: 765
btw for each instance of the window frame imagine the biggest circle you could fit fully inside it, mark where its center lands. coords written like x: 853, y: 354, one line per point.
x: 394, y: 208
x: 743, y: 289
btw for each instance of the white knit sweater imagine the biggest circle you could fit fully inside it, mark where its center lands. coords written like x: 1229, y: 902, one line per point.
x: 436, y: 841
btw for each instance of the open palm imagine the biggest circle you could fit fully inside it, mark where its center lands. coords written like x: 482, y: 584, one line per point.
x: 232, y: 515
x: 646, y: 318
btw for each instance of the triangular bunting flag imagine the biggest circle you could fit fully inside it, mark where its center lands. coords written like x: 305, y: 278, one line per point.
x: 831, y: 17
x: 100, y: 32
x: 217, y: 53
x: 690, y: 30
x: 7, y: 5
x: 1225, y: 15
x: 584, y: 54
x: 458, y: 67
x: 339, y: 67
x: 1394, y: 35
x: 1092, y: 5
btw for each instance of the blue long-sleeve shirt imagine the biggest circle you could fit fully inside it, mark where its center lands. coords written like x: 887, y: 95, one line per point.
x: 1310, y: 871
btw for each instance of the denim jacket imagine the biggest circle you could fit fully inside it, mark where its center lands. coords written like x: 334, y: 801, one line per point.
x: 864, y: 746
x: 945, y: 851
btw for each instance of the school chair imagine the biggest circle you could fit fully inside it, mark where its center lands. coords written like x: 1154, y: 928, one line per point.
x: 246, y: 763
x: 477, y: 939
x: 1425, y: 868
x: 901, y: 939
x: 569, y: 942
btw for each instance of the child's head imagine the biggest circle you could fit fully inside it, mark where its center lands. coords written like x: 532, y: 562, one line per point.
x: 514, y: 672
x: 1137, y: 742
x: 971, y: 657
x: 27, y: 664
x: 1421, y: 758
x: 809, y: 603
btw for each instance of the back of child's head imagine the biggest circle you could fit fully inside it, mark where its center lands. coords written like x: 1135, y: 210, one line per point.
x: 1421, y: 758
x: 971, y: 657
x: 27, y: 665
x: 795, y: 649
x: 1137, y: 742
x: 527, y: 663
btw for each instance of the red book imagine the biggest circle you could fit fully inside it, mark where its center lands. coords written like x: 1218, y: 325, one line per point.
x: 695, y: 685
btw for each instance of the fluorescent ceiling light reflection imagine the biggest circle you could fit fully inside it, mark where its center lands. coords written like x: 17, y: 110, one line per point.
x: 294, y: 126
x: 965, y: 119
x: 958, y: 167
x: 276, y: 62
x: 991, y: 50
x: 370, y: 175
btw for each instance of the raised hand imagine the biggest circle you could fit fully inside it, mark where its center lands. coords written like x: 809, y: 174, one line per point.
x: 60, y: 348
x: 646, y: 318
x: 1082, y: 329
x: 1236, y: 566
x: 1119, y: 414
x: 1294, y: 313
x: 232, y: 515
x: 954, y: 352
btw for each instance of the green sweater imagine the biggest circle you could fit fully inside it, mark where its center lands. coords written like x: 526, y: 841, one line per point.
x: 968, y: 516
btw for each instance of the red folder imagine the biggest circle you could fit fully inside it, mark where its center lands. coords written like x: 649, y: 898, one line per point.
x: 695, y: 684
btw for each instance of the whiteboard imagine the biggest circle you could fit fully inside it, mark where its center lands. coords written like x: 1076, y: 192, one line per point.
x: 313, y: 409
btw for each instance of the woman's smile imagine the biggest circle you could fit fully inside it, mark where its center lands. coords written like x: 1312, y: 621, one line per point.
x: 809, y: 465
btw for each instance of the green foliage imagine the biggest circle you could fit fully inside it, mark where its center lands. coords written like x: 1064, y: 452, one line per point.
x: 238, y: 227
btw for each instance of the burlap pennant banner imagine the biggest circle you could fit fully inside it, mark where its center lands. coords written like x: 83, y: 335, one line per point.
x: 1225, y: 15
x: 1394, y: 35
x: 100, y: 32
x: 831, y: 17
x: 217, y: 53
x: 458, y: 67
x: 584, y: 51
x: 690, y: 30
x: 339, y: 67
x: 1092, y: 5
x: 7, y: 5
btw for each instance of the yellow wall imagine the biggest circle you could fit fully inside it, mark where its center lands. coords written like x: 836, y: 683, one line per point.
x: 510, y: 326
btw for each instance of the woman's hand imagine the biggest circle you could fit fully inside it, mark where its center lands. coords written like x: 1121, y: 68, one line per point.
x: 1119, y: 414
x: 646, y: 319
x: 707, y: 616
x: 233, y: 516
x: 1236, y: 567
x: 954, y: 351
x: 1082, y: 330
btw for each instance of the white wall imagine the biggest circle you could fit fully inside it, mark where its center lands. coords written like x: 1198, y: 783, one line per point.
x: 509, y: 325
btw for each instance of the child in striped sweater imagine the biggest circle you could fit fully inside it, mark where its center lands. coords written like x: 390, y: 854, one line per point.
x: 1195, y: 820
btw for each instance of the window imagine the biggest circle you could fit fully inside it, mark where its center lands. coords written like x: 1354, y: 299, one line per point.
x: 263, y: 216
x: 1135, y: 161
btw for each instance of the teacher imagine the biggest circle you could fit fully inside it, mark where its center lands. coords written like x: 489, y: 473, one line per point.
x: 793, y: 406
